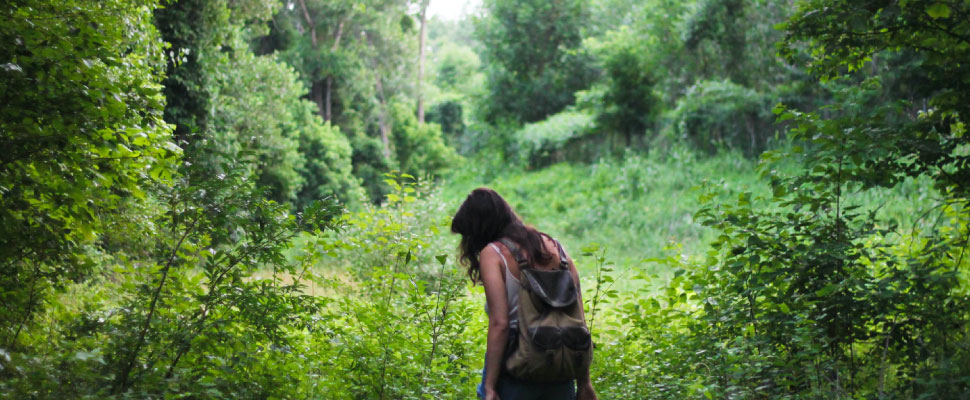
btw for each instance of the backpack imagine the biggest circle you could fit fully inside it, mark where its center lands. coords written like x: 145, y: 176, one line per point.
x: 551, y: 342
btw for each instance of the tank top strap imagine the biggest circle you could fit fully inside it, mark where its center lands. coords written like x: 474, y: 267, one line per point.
x: 505, y: 263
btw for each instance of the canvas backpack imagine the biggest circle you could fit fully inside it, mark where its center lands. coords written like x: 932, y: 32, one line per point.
x: 551, y: 342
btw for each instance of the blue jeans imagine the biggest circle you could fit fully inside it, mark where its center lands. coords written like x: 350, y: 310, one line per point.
x: 509, y: 388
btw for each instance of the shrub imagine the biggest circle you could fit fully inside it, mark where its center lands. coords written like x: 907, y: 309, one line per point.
x: 628, y: 106
x: 401, y: 323
x: 447, y: 114
x: 328, y: 170
x: 82, y: 136
x: 188, y: 315
x: 715, y: 114
x: 419, y: 149
x: 545, y: 142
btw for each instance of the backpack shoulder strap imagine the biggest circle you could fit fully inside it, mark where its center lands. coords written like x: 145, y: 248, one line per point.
x: 563, y: 261
x: 514, y: 249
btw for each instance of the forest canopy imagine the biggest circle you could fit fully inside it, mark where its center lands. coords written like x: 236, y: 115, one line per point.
x: 250, y: 198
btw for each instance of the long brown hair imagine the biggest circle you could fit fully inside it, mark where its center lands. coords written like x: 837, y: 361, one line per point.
x: 485, y: 217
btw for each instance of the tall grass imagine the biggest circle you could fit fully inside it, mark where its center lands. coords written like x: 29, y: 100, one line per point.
x: 637, y: 207
x: 640, y: 207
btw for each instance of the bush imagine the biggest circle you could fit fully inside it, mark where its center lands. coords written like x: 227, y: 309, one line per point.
x: 187, y: 315
x: 715, y: 114
x: 628, y: 105
x: 328, y: 170
x: 419, y: 149
x: 221, y: 307
x: 401, y: 324
x: 83, y: 141
x: 546, y: 142
x: 448, y: 114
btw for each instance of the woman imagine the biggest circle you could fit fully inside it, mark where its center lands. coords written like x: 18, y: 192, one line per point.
x: 482, y: 220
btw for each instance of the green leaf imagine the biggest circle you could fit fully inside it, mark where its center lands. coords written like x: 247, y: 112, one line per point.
x: 779, y: 108
x: 828, y: 289
x: 779, y: 190
x: 938, y: 10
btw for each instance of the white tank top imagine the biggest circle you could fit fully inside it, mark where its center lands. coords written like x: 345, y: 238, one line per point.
x: 511, y: 290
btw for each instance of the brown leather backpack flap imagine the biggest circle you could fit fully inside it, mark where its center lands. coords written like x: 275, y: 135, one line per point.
x: 554, y: 288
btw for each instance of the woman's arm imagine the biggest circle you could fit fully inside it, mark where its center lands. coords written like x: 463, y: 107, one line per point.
x: 493, y: 279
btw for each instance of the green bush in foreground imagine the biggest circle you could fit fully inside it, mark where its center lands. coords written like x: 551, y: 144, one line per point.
x: 809, y: 292
x: 83, y: 141
x: 230, y: 303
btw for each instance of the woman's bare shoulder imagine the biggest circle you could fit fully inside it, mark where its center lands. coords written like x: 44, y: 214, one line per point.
x: 488, y: 253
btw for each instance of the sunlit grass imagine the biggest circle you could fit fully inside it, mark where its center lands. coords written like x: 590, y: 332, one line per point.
x: 639, y: 208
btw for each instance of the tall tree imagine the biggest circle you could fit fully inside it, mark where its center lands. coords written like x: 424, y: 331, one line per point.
x: 228, y: 99
x: 331, y: 44
x: 529, y: 49
x: 332, y: 22
x: 362, y: 47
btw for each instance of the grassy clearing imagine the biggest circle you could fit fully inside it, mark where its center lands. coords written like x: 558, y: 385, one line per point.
x: 637, y: 208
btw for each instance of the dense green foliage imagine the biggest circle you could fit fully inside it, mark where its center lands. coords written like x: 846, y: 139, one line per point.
x: 419, y: 148
x: 547, y: 141
x: 83, y: 139
x: 218, y: 199
x: 722, y: 114
x: 531, y: 57
x: 811, y: 292
x: 628, y: 102
x: 349, y: 54
x: 227, y: 99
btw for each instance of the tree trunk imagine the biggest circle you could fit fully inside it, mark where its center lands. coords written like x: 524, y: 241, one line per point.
x: 382, y: 117
x: 310, y: 24
x: 323, y: 96
x: 421, y: 37
x: 328, y: 107
x: 316, y: 94
x: 328, y: 99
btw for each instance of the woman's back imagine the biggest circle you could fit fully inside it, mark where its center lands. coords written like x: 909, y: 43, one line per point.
x: 512, y: 273
x: 484, y: 220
